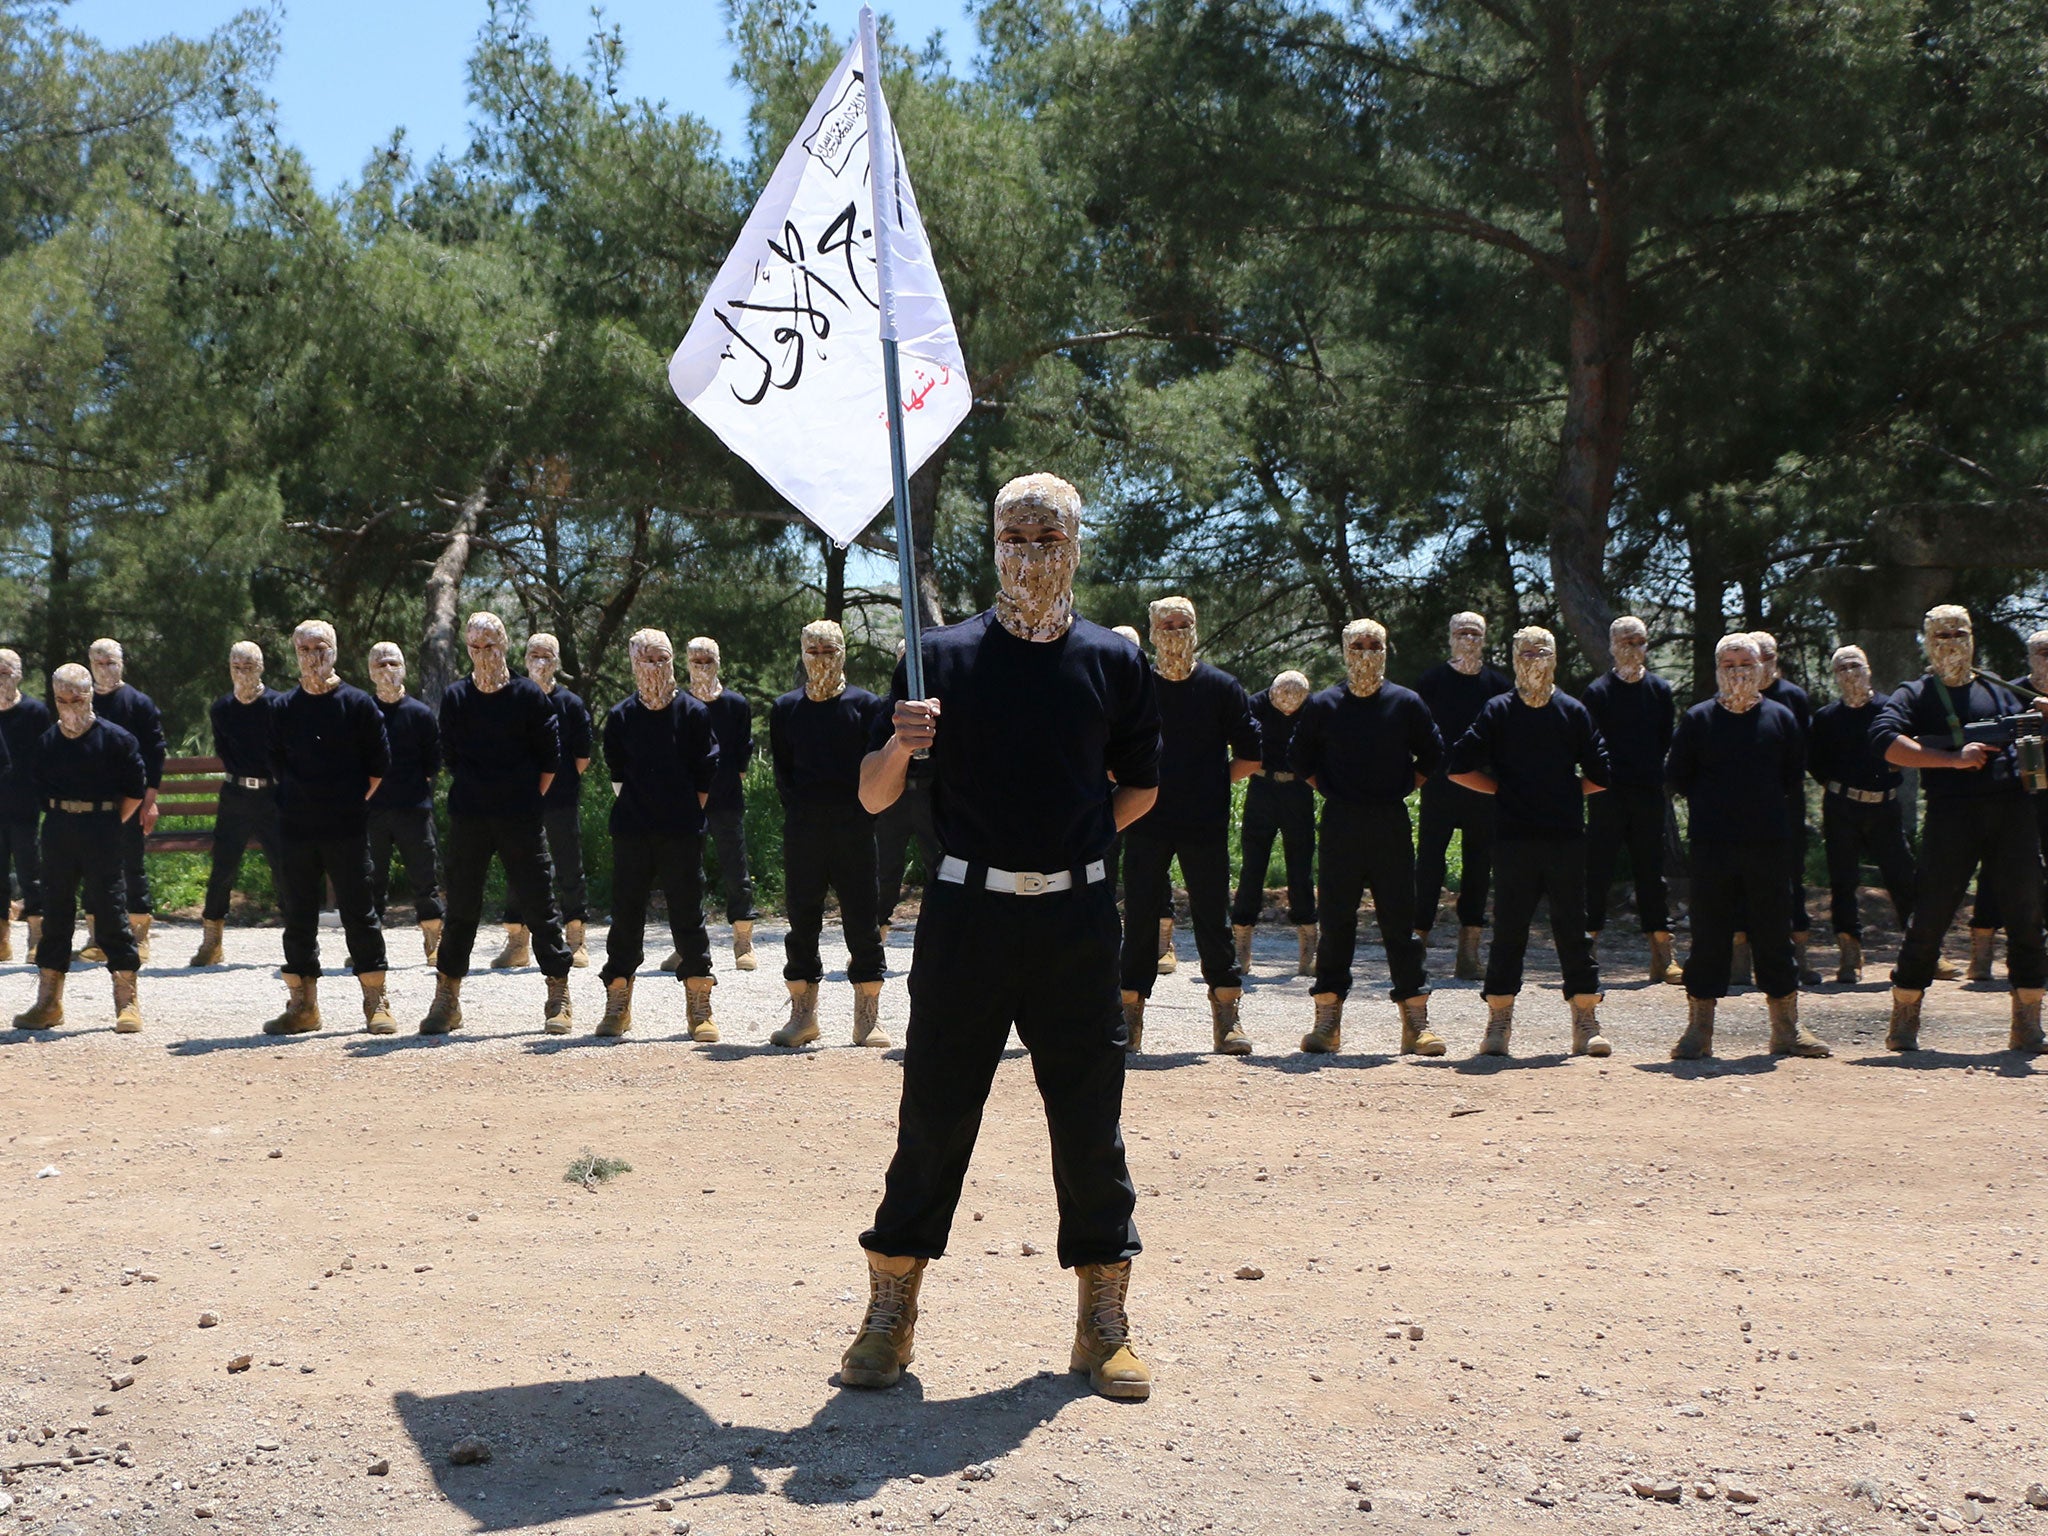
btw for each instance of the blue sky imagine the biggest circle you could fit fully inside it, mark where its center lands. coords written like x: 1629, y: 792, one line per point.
x: 353, y: 70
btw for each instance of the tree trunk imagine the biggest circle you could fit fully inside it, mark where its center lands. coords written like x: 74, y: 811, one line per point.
x: 439, y: 645
x: 1709, y: 581
x: 1599, y: 391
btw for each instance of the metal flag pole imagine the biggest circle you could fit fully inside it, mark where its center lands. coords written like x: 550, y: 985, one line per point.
x: 882, y: 187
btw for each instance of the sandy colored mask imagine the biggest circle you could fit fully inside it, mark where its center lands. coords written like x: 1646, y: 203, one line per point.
x: 10, y: 679
x: 488, y: 643
x: 387, y: 671
x: 703, y: 659
x: 245, y: 671
x: 313, y: 643
x: 1950, y: 643
x: 2037, y: 660
x: 1289, y: 692
x: 654, y: 668
x: 1535, y: 665
x: 1173, y: 638
x: 1468, y: 643
x: 1365, y: 657
x: 71, y: 686
x: 1628, y: 641
x: 1738, y: 676
x: 543, y: 660
x: 1852, y: 676
x: 1130, y: 633
x: 1035, y: 573
x: 109, y: 665
x: 824, y: 661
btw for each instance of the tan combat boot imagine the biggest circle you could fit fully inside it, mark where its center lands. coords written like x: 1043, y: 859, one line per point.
x: 556, y: 1017
x: 1500, y: 1025
x: 697, y: 1009
x: 1849, y: 961
x: 1586, y: 1037
x: 2026, y: 1022
x: 1946, y: 969
x: 1467, y: 967
x: 672, y: 961
x: 1102, y: 1334
x: 1593, y: 944
x: 6, y: 937
x: 444, y: 1014
x: 92, y: 954
x: 1808, y: 976
x: 1904, y: 1034
x: 47, y: 1011
x: 377, y: 1018
x: 802, y: 1027
x: 867, y: 1016
x: 35, y: 935
x: 139, y: 924
x: 618, y: 1007
x: 1983, y: 943
x: 1739, y: 967
x: 882, y: 932
x: 579, y: 951
x: 1168, y: 960
x: 743, y: 946
x: 1305, y: 940
x: 1789, y: 1037
x: 1326, y: 1035
x: 1697, y: 1043
x: 1664, y: 964
x: 888, y: 1331
x: 209, y: 950
x: 127, y: 1008
x: 518, y: 948
x: 1417, y: 1038
x: 430, y: 937
x: 301, y: 1014
x: 1134, y: 1022
x: 1242, y: 933
x: 1228, y: 1034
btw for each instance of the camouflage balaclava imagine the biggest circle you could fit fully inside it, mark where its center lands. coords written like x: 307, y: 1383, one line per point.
x: 1468, y: 643
x: 1365, y: 657
x: 488, y: 643
x: 2037, y: 660
x: 317, y: 652
x: 1738, y: 674
x: 10, y: 679
x: 1852, y: 675
x: 1130, y: 633
x: 1766, y: 655
x: 824, y: 661
x: 1950, y: 643
x: 654, y: 667
x: 109, y: 665
x: 245, y: 670
x: 1628, y: 641
x: 702, y: 658
x: 1035, y: 581
x: 543, y: 660
x: 71, y: 686
x: 1535, y: 665
x: 387, y: 671
x: 1173, y: 638
x: 1289, y: 692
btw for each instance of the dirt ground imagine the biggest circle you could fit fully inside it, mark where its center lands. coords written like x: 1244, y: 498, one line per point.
x: 1489, y: 1296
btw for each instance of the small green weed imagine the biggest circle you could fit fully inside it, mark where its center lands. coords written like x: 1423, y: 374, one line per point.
x: 590, y: 1170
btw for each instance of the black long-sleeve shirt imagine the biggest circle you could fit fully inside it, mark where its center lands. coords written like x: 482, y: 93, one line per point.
x: 1276, y: 732
x: 573, y: 729
x: 1205, y: 723
x: 1455, y: 700
x: 136, y: 713
x: 1537, y: 758
x: 1916, y: 709
x: 324, y: 750
x: 817, y: 747
x: 662, y: 760
x: 415, y: 738
x: 21, y: 732
x: 1839, y: 748
x: 1727, y: 764
x: 105, y: 764
x: 241, y: 734
x: 1636, y: 721
x: 496, y: 746
x: 1788, y: 693
x: 1366, y: 751
x: 1034, y: 739
x: 732, y: 722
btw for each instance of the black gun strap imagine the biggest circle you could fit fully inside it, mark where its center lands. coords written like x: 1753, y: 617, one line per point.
x: 1955, y: 725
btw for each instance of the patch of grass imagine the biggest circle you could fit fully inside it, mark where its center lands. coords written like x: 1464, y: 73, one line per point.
x: 590, y: 1170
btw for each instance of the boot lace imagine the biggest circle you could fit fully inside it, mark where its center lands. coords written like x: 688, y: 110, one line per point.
x: 1107, y: 1320
x: 888, y: 1302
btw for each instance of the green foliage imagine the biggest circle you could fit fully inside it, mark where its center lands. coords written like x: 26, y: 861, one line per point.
x: 591, y: 1170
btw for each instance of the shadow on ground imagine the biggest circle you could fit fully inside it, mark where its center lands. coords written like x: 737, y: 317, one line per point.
x: 569, y: 1448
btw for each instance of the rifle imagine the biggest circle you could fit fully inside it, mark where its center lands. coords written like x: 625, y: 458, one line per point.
x: 2024, y: 734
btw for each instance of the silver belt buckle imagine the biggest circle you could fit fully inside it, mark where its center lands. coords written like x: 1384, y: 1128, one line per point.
x: 1030, y: 883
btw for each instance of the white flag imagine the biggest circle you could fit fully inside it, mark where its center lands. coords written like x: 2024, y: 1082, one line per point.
x: 784, y: 359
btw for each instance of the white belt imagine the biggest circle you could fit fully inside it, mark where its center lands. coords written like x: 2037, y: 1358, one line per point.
x: 242, y: 783
x: 1019, y: 882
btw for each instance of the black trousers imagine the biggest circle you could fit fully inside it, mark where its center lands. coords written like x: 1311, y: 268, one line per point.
x: 828, y: 847
x: 21, y: 855
x: 1630, y: 816
x: 728, y: 829
x: 1368, y: 847
x: 409, y: 829
x: 1526, y: 871
x: 521, y: 846
x: 1853, y: 832
x: 1985, y: 913
x: 1286, y: 811
x: 2001, y: 833
x: 1740, y: 888
x: 1047, y: 965
x: 307, y: 864
x: 244, y: 814
x: 910, y: 816
x: 1448, y: 808
x: 563, y: 829
x: 1795, y: 860
x: 84, y: 852
x: 1205, y: 865
x: 134, y: 872
x: 640, y: 861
